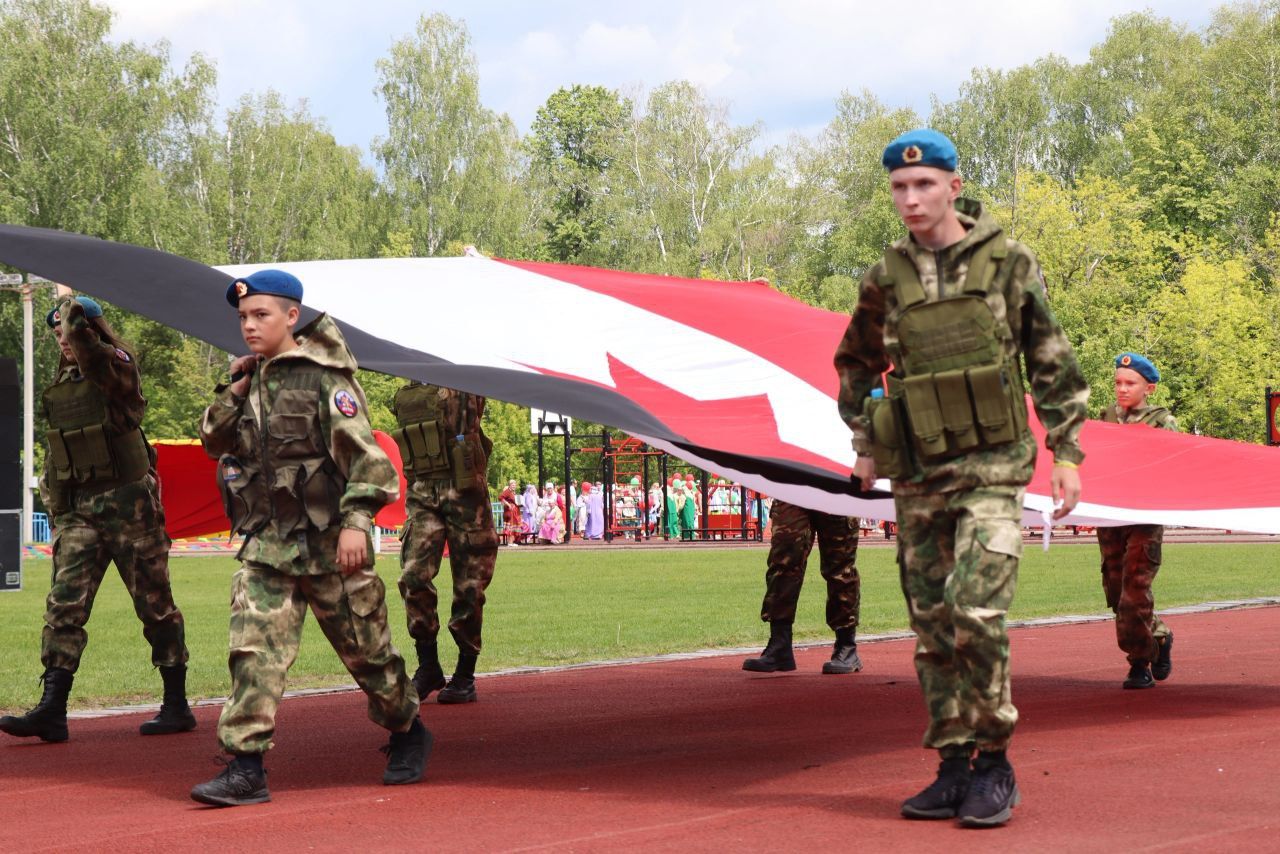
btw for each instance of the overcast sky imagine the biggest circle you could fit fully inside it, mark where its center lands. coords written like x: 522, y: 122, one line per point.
x: 783, y: 63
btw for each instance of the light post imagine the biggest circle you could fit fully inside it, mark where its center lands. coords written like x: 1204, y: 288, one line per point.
x: 26, y: 287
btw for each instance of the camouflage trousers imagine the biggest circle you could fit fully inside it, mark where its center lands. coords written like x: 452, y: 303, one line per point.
x: 1130, y: 561
x: 958, y: 558
x: 794, y: 529
x: 440, y: 513
x: 267, y: 610
x: 124, y: 525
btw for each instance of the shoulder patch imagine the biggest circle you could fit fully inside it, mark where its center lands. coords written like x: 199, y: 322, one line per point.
x: 345, y: 402
x: 122, y: 355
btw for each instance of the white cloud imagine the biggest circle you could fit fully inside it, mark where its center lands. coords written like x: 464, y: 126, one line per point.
x: 604, y: 46
x: 783, y: 62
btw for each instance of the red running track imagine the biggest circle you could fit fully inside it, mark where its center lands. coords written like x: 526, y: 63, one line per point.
x: 697, y: 755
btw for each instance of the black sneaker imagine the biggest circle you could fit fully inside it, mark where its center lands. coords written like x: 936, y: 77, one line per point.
x: 239, y: 784
x: 407, y: 755
x: 1139, y: 676
x: 942, y: 797
x: 1163, y: 665
x: 993, y: 793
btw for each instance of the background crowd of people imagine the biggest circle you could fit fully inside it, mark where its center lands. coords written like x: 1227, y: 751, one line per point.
x: 550, y: 515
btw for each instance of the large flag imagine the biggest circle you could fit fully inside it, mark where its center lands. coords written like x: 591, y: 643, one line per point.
x: 734, y: 377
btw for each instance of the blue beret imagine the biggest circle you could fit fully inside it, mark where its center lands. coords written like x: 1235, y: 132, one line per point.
x: 276, y: 283
x: 1141, y: 364
x: 921, y: 147
x: 91, y: 310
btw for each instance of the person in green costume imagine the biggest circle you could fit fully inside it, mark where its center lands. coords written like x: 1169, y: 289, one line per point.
x: 689, y: 512
x: 675, y: 501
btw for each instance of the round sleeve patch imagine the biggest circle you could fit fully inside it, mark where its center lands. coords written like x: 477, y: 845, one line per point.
x: 345, y: 403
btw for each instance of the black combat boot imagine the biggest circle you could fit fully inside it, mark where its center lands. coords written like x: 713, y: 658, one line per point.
x: 777, y: 653
x: 428, y: 677
x: 993, y: 792
x: 1139, y: 675
x: 844, y: 657
x: 48, y: 720
x: 242, y: 782
x: 175, y: 715
x: 462, y: 685
x: 1163, y: 665
x: 942, y: 797
x: 407, y: 755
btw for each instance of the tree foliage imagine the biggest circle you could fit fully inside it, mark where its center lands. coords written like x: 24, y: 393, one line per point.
x: 1147, y: 179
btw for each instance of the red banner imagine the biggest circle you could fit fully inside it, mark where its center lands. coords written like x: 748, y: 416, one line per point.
x: 189, y: 488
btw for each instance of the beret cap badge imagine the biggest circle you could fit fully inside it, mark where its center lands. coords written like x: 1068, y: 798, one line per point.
x: 1126, y: 360
x: 241, y: 289
x: 912, y: 154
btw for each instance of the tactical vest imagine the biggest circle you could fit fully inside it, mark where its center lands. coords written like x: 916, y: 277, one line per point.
x: 430, y: 448
x: 1152, y: 417
x: 83, y: 448
x: 286, y: 474
x: 952, y: 391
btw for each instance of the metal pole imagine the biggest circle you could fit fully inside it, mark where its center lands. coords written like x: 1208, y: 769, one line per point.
x: 706, y: 509
x: 608, y: 484
x: 568, y: 487
x: 1267, y: 421
x: 542, y: 478
x: 644, y: 494
x: 667, y: 495
x: 28, y: 414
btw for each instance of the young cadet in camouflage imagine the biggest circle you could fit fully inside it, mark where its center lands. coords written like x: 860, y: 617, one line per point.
x: 100, y: 487
x: 952, y: 308
x: 302, y: 478
x: 445, y: 455
x: 1131, y: 553
x: 794, y: 529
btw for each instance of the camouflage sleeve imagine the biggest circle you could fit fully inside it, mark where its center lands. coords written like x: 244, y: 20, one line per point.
x: 1168, y: 422
x: 371, y: 479
x: 219, y: 426
x: 102, y: 363
x: 1058, y: 388
x: 860, y: 358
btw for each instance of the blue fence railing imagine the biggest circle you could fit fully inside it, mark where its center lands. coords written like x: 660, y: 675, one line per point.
x: 39, y: 527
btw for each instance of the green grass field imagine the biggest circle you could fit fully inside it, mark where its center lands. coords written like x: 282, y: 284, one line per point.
x: 557, y: 607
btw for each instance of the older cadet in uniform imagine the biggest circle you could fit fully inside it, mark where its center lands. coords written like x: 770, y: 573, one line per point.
x: 302, y: 478
x: 1131, y: 553
x: 446, y: 457
x: 794, y: 529
x: 100, y: 487
x: 951, y: 308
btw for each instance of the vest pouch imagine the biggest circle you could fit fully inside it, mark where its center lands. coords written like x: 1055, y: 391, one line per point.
x: 430, y: 454
x: 59, y: 456
x: 464, y: 453
x: 321, y: 490
x: 242, y: 496
x: 888, y: 442
x: 957, y: 410
x: 925, y: 415
x: 132, y: 455
x: 992, y: 403
x: 406, y: 452
x: 90, y: 454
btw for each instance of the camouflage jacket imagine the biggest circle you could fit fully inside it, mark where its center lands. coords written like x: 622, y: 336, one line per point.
x: 1016, y: 297
x: 337, y: 414
x: 1156, y: 416
x: 112, y: 369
